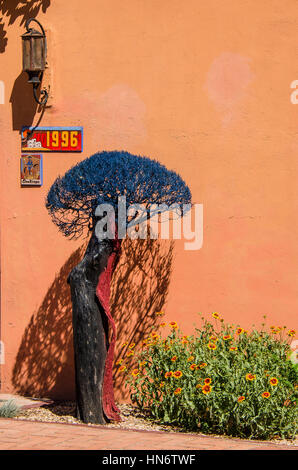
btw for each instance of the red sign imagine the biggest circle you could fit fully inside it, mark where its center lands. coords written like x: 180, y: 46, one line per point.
x: 52, y: 139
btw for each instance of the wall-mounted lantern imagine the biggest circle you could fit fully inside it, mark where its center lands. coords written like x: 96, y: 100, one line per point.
x: 34, y: 57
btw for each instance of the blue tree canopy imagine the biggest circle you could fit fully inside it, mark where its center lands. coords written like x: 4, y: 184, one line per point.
x: 102, y: 178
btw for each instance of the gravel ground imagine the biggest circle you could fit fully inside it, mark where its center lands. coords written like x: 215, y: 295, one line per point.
x: 64, y: 412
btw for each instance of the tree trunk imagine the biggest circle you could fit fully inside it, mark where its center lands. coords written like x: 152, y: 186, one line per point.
x: 90, y: 289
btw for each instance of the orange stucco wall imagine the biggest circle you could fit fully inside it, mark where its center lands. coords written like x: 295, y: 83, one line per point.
x: 204, y: 87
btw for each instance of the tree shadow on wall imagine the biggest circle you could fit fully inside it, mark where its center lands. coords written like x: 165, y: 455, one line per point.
x: 139, y: 290
x: 14, y: 9
x: 44, y: 365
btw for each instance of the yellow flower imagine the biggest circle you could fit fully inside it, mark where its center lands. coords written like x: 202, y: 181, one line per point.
x: 240, y: 399
x: 215, y: 315
x: 265, y: 394
x: 132, y: 345
x: 177, y: 374
x: 162, y: 384
x: 130, y: 353
x: 178, y: 391
x: 206, y: 389
x: 233, y: 348
x: 143, y: 363
x: 212, y: 346
x: 173, y: 325
x: 193, y: 367
x: 191, y: 358
x: 154, y: 335
x: 239, y: 331
x: 250, y: 377
x: 174, y: 358
x: 207, y: 381
x: 202, y: 365
x: 226, y: 337
x: 291, y: 333
x: 160, y: 314
x: 273, y: 381
x: 163, y: 324
x: 119, y: 362
x: 213, y: 338
x: 124, y: 344
x: 122, y: 369
x: 168, y: 374
x: 135, y: 372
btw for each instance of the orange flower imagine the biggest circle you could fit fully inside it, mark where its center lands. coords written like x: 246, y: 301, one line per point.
x: 143, y: 363
x: 240, y: 399
x: 239, y: 331
x: 250, y: 377
x: 130, y: 353
x: 162, y: 384
x: 119, y: 362
x: 160, y: 314
x: 233, y: 348
x: 132, y: 345
x: 184, y: 341
x: 212, y: 346
x: 273, y: 381
x: 199, y: 386
x: 202, y: 365
x: 135, y: 372
x: 168, y: 374
x: 122, y: 369
x: 178, y: 374
x: 173, y: 325
x: 191, y: 358
x: 206, y: 389
x: 215, y: 315
x: 213, y: 338
x: 163, y: 324
x: 174, y: 358
x: 207, y: 381
x: 178, y: 391
x: 193, y: 367
x: 124, y: 344
x: 154, y: 335
x: 226, y: 337
x: 265, y: 394
x: 291, y: 333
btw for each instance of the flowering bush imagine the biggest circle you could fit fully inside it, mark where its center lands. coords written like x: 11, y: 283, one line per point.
x: 220, y: 380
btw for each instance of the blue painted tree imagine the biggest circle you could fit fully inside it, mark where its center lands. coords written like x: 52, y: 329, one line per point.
x: 72, y: 201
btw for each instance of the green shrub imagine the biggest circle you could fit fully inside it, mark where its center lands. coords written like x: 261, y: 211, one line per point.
x: 220, y: 380
x: 9, y: 409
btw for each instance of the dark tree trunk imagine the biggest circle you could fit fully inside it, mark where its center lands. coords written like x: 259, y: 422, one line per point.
x: 90, y: 331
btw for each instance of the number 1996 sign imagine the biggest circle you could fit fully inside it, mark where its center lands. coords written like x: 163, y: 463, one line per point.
x: 52, y: 139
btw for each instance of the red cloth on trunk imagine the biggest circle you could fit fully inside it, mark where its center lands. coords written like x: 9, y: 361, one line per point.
x: 103, y: 294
